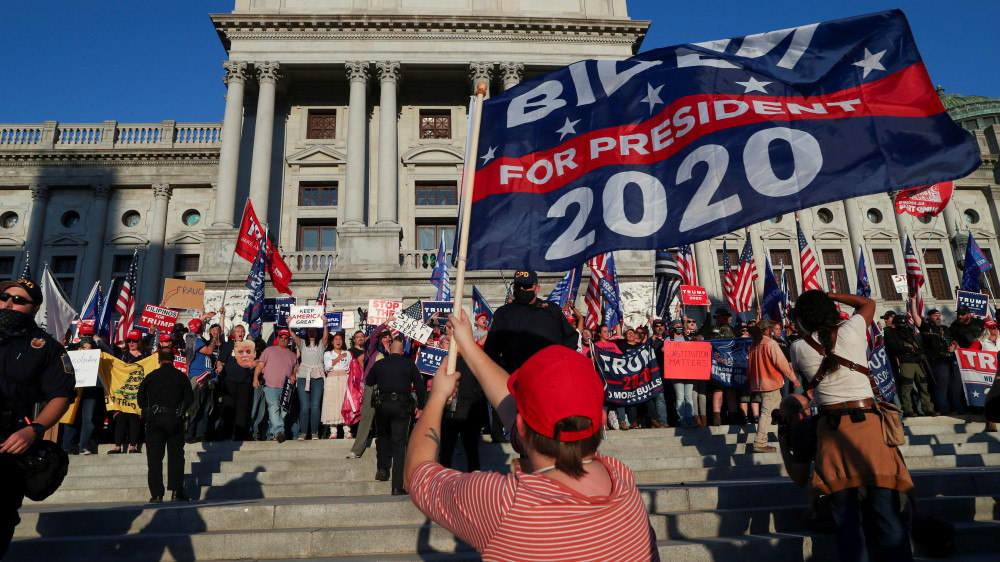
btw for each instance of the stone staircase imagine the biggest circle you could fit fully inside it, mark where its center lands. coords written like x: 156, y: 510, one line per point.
x: 708, y: 498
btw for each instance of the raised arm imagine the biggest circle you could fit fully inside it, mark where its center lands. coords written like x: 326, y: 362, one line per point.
x: 862, y: 305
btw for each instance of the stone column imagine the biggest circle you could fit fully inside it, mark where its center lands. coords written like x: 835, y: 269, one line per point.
x: 481, y: 72
x: 853, y: 212
x: 40, y: 196
x: 951, y: 217
x: 900, y: 221
x: 151, y: 278
x: 704, y: 262
x: 513, y: 73
x: 98, y: 226
x: 352, y: 201
x: 229, y: 152
x: 260, y: 167
x: 388, y: 149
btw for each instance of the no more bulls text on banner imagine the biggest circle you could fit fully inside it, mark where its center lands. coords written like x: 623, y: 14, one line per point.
x: 978, y: 370
x: 630, y: 378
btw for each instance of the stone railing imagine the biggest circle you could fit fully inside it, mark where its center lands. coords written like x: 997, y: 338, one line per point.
x: 110, y: 135
x: 310, y: 262
x: 419, y: 259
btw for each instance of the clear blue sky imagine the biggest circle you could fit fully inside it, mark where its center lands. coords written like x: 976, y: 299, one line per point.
x: 151, y: 60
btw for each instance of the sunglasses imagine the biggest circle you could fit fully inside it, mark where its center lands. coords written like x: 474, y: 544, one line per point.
x: 18, y: 299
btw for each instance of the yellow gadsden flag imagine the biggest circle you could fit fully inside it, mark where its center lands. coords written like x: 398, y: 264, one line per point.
x: 121, y: 381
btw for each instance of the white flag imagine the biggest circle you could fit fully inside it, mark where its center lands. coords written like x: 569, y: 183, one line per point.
x: 56, y: 314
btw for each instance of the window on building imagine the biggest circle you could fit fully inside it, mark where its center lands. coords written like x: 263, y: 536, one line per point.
x: 6, y: 267
x: 885, y: 268
x: 317, y: 238
x: 937, y: 277
x: 779, y: 257
x: 429, y: 236
x: 734, y: 262
x: 186, y: 263
x: 120, y: 265
x: 435, y: 124
x: 317, y: 194
x: 987, y: 281
x: 322, y: 124
x: 64, y: 270
x: 833, y: 267
x: 437, y: 193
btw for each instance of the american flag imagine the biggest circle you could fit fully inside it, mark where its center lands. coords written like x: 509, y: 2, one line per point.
x: 598, y: 269
x: 810, y: 267
x: 746, y: 276
x: 729, y: 278
x: 321, y: 297
x: 685, y: 263
x: 415, y: 311
x: 668, y: 282
x: 833, y: 289
x: 125, y: 306
x: 914, y: 275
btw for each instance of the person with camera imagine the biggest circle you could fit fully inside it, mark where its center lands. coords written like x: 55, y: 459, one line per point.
x: 902, y: 345
x: 34, y: 368
x: 164, y: 394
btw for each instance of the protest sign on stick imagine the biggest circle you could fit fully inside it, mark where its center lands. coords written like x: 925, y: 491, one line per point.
x: 430, y: 359
x: 86, y: 363
x: 181, y: 293
x: 411, y: 328
x: 162, y: 319
x: 306, y: 317
x: 687, y: 360
x: 381, y: 310
x: 978, y: 303
x: 693, y: 295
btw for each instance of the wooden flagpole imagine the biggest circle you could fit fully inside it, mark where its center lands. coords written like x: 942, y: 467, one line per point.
x: 467, y: 186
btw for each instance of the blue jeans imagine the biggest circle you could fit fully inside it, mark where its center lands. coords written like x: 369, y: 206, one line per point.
x: 657, y: 407
x: 276, y: 416
x: 880, y: 512
x: 258, y: 410
x: 685, y: 401
x: 83, y: 425
x: 310, y: 404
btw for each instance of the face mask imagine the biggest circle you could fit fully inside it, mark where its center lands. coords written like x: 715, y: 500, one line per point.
x: 522, y: 296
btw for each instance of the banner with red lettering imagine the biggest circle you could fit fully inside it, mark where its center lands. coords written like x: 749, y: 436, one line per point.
x: 978, y: 370
x: 381, y: 310
x: 630, y: 378
x: 162, y: 319
x: 693, y: 295
x: 928, y: 200
x: 687, y: 360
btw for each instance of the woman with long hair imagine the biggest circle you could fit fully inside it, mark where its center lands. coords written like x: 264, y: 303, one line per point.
x: 127, y: 426
x: 851, y: 452
x: 309, y: 385
x: 337, y: 363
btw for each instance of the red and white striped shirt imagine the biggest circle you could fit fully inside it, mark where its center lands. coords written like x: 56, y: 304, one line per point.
x: 525, y: 516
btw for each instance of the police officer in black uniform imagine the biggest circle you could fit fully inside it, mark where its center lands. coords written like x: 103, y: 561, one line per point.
x: 163, y: 396
x: 34, y: 368
x: 395, y: 377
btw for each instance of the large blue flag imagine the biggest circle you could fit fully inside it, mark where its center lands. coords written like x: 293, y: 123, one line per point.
x: 439, y: 277
x: 102, y: 325
x: 567, y: 288
x: 253, y: 314
x: 686, y: 143
x: 773, y: 299
x: 975, y: 265
x: 479, y: 305
x: 864, y: 287
x: 614, y: 316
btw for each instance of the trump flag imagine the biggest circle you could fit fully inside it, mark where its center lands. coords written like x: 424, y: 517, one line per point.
x: 681, y: 144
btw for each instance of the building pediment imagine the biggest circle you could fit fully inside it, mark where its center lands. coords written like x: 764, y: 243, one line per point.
x: 981, y: 234
x: 881, y: 236
x: 66, y: 240
x: 778, y: 236
x: 830, y: 234
x: 129, y: 240
x: 186, y: 238
x: 8, y: 241
x: 317, y: 156
x: 930, y: 235
x: 433, y: 156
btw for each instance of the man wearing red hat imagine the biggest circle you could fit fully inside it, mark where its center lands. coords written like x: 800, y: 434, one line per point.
x: 277, y: 364
x: 559, y: 498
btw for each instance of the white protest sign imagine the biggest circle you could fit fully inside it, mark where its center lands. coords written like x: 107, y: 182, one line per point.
x: 86, y: 363
x: 380, y: 310
x: 306, y: 317
x: 412, y: 328
x: 900, y: 282
x: 347, y: 320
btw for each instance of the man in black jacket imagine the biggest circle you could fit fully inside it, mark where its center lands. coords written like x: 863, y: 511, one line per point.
x: 901, y: 343
x: 163, y: 396
x: 939, y: 347
x: 966, y: 329
x: 396, y: 378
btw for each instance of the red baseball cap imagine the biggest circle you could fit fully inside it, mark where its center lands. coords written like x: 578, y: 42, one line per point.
x: 195, y: 325
x: 482, y: 315
x: 990, y: 323
x: 284, y: 332
x: 86, y: 329
x: 134, y: 335
x: 554, y: 384
x: 166, y: 337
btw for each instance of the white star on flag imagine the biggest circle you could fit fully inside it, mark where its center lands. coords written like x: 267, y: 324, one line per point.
x: 871, y: 62
x: 489, y: 155
x: 568, y: 129
x: 975, y: 394
x: 753, y: 85
x: 652, y: 96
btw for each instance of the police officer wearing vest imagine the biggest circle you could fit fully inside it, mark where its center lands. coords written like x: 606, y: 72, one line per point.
x: 163, y: 396
x: 34, y: 368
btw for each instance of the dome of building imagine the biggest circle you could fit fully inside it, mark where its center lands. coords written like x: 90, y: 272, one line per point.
x: 971, y: 112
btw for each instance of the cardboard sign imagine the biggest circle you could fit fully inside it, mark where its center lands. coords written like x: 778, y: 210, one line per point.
x: 978, y: 303
x: 688, y: 360
x: 277, y: 310
x: 162, y: 319
x: 86, y: 363
x: 979, y: 368
x: 430, y: 307
x: 900, y: 282
x: 179, y: 293
x: 430, y: 359
x: 693, y: 295
x: 380, y: 310
x: 306, y: 317
x: 410, y: 327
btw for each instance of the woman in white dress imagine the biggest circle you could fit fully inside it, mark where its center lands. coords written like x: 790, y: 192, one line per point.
x: 336, y: 362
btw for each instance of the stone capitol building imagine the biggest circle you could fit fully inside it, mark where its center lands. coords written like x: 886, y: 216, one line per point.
x: 345, y: 125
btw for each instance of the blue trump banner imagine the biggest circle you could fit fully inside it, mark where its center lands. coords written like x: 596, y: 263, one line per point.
x: 882, y: 372
x: 430, y: 307
x: 975, y: 264
x: 629, y: 378
x: 430, y: 359
x: 978, y: 303
x: 729, y: 361
x: 978, y: 368
x: 566, y: 290
x: 335, y: 321
x: 277, y: 310
x: 685, y: 143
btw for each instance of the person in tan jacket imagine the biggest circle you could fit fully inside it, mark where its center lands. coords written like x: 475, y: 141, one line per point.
x: 766, y: 370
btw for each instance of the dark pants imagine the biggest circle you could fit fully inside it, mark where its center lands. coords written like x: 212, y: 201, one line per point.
x: 879, y: 512
x: 198, y: 426
x: 127, y: 429
x: 165, y: 431
x: 468, y: 430
x: 237, y: 397
x: 11, y: 496
x: 948, y: 391
x: 88, y: 416
x: 393, y: 427
x: 910, y: 375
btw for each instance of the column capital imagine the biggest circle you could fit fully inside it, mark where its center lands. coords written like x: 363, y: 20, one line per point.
x: 480, y: 72
x: 102, y: 191
x: 236, y: 71
x: 268, y: 72
x: 40, y: 191
x: 162, y: 190
x: 513, y: 73
x: 358, y: 71
x: 388, y: 71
